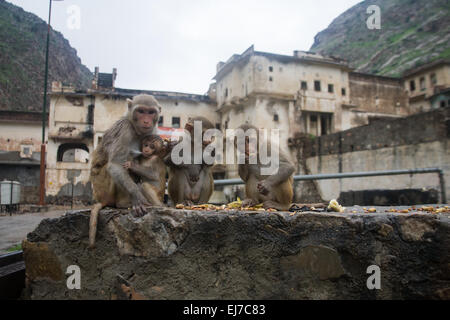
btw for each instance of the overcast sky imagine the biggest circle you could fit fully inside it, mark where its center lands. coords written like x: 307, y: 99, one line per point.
x: 175, y: 45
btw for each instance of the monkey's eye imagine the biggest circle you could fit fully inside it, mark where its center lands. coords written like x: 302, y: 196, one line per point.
x: 151, y: 111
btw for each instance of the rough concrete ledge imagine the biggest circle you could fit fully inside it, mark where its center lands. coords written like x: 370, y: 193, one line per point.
x: 183, y: 254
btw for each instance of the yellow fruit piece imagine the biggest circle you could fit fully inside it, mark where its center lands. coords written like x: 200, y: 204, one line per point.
x: 335, y: 206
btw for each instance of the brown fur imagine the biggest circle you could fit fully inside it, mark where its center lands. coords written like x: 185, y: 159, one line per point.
x: 152, y: 172
x: 191, y: 183
x: 112, y: 184
x: 274, y: 191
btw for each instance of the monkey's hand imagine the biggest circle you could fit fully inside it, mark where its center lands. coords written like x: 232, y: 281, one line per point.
x: 139, y: 202
x: 263, y: 187
x: 248, y: 203
x: 127, y: 165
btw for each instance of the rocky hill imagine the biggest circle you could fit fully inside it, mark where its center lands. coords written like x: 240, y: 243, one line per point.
x: 22, y: 59
x: 412, y: 32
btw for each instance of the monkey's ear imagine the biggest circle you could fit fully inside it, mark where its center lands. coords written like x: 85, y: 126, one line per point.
x: 130, y: 103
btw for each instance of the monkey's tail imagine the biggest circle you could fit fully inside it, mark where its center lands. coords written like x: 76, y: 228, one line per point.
x: 93, y: 223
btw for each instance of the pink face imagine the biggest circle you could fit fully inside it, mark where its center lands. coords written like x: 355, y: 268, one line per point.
x: 145, y: 118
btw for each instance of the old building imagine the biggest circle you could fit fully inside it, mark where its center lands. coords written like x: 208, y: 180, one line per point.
x: 428, y: 85
x: 78, y: 120
x: 20, y: 151
x: 302, y: 94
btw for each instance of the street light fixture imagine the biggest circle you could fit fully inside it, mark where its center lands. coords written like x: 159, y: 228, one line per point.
x: 44, y: 107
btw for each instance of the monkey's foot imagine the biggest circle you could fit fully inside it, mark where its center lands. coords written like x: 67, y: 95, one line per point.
x: 139, y: 211
x: 269, y: 204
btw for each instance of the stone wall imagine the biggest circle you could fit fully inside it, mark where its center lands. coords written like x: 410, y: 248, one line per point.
x: 417, y: 141
x: 182, y: 254
x: 378, y: 94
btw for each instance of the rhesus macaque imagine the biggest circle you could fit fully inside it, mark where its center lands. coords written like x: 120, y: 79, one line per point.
x: 274, y: 191
x: 191, y: 183
x: 151, y: 169
x: 111, y: 183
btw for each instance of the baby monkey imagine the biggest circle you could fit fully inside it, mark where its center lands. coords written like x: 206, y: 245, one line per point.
x: 150, y: 168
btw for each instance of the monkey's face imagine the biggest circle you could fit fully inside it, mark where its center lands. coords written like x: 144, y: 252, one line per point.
x: 205, y: 125
x: 145, y: 118
x: 151, y: 148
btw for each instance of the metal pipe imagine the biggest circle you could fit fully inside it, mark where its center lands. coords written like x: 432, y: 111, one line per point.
x: 225, y: 182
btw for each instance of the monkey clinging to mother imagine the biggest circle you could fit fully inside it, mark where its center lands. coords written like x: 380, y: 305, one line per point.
x: 112, y: 184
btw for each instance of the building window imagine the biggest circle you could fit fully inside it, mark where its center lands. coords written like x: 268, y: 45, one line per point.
x: 330, y: 88
x: 304, y: 85
x: 412, y: 85
x: 73, y: 152
x: 433, y: 79
x: 175, y: 122
x: 226, y: 92
x: 443, y: 104
x: 275, y: 117
x: 226, y: 125
x: 313, y: 118
x: 25, y: 151
x: 343, y: 91
x: 317, y: 85
x: 218, y: 126
x: 270, y: 69
x: 422, y: 84
x: 160, y: 121
x: 270, y: 79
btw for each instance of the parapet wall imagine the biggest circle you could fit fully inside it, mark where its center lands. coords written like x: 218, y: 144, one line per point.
x: 417, y: 141
x: 185, y: 254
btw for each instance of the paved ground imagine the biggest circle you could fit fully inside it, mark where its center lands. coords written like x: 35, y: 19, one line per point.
x: 13, y: 229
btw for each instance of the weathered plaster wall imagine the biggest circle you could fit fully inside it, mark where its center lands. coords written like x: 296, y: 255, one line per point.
x: 378, y: 94
x: 417, y: 141
x: 15, y: 134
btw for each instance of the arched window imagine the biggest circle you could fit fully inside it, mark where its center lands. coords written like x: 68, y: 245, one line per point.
x: 73, y: 152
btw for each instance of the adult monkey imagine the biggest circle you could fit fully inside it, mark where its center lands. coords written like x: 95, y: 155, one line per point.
x: 191, y: 183
x: 111, y: 182
x: 274, y: 191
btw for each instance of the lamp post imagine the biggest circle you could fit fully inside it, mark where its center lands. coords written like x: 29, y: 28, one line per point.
x: 44, y: 107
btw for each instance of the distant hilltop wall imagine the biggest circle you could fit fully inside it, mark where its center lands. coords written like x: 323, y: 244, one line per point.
x: 417, y: 141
